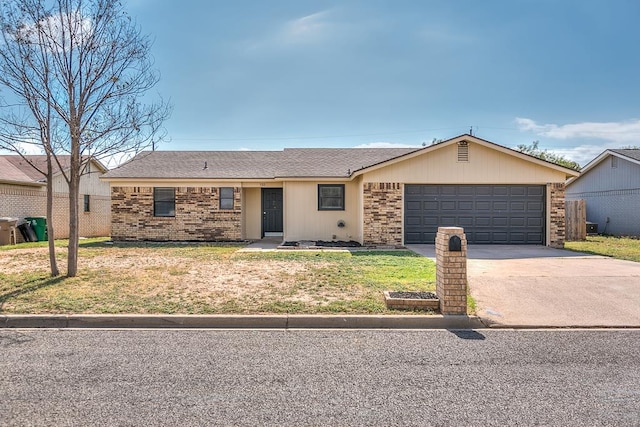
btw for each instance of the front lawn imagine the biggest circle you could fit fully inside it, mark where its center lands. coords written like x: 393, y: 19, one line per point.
x: 616, y: 247
x: 207, y: 279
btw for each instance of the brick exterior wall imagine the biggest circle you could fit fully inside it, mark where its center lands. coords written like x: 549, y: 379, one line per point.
x: 18, y: 201
x: 557, y: 215
x: 451, y: 272
x: 382, y: 206
x: 198, y: 216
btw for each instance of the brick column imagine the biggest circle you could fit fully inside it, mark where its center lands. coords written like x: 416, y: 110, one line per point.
x: 382, y: 213
x: 451, y: 271
x: 556, y: 215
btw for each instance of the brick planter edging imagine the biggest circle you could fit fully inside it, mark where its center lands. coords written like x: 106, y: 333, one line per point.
x: 411, y: 303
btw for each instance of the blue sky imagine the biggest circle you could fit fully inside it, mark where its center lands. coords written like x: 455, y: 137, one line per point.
x: 252, y: 74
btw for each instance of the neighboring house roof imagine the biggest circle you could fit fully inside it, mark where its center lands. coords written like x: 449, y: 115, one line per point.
x: 19, y: 169
x: 630, y: 154
x: 288, y: 163
x: 12, y: 173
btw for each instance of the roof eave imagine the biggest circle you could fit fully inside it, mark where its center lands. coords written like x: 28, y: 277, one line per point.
x: 244, y: 179
x: 631, y: 159
x: 569, y: 173
x: 101, y: 166
x: 24, y: 183
x: 599, y: 159
x: 147, y: 178
x: 316, y: 178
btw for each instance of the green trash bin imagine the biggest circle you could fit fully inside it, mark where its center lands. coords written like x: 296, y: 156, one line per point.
x: 39, y: 225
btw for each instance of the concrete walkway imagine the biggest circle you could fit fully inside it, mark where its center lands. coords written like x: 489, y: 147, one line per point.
x: 266, y: 244
x: 536, y: 286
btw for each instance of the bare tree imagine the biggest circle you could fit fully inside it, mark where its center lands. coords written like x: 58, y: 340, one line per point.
x: 29, y: 122
x: 89, y: 66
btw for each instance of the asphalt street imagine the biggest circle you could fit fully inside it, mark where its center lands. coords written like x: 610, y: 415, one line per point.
x: 320, y: 377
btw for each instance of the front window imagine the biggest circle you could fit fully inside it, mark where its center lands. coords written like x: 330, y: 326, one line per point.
x: 226, y: 198
x: 164, y: 202
x: 330, y: 197
x: 87, y: 203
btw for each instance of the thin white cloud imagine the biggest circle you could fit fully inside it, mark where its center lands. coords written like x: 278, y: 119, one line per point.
x: 385, y: 145
x: 115, y: 160
x: 304, y: 31
x: 336, y: 27
x: 60, y: 30
x: 621, y: 133
x: 25, y: 148
x: 31, y: 149
x: 308, y: 29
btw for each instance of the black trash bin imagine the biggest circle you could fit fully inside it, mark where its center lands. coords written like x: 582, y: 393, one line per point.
x: 28, y: 234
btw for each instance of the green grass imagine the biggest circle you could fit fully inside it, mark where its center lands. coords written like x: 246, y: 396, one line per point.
x: 207, y: 279
x: 626, y: 248
x: 61, y: 243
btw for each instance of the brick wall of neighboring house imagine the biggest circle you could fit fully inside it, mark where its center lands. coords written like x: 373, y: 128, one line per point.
x: 382, y: 206
x: 19, y: 201
x: 557, y: 215
x: 198, y: 216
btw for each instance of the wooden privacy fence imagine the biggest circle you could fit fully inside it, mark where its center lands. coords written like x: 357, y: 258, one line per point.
x: 576, y: 220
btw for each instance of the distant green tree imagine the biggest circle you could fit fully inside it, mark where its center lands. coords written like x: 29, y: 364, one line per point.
x: 535, y: 151
x: 434, y: 141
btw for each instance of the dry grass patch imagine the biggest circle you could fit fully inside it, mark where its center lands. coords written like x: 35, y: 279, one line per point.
x: 201, y: 278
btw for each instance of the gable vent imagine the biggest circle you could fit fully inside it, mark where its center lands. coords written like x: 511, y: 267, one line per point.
x: 463, y: 151
x: 614, y: 162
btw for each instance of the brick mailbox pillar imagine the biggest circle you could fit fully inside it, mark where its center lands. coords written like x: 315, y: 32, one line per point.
x: 451, y: 270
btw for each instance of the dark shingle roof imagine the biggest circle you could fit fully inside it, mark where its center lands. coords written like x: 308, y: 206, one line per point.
x: 291, y: 162
x: 633, y: 153
x: 334, y: 162
x: 199, y: 164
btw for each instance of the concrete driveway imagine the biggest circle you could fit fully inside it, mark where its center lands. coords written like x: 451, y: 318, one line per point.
x: 536, y: 286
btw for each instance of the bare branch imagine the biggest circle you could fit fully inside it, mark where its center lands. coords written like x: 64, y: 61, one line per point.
x: 79, y: 70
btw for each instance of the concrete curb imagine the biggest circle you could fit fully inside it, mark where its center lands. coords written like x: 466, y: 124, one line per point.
x: 117, y: 321
x: 560, y: 326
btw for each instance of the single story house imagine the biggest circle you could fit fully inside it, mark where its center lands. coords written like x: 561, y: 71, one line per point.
x: 23, y: 193
x: 610, y: 186
x: 375, y: 196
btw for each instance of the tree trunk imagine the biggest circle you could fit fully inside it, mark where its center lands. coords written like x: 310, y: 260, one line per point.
x: 74, y: 192
x: 74, y: 235
x: 52, y: 244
